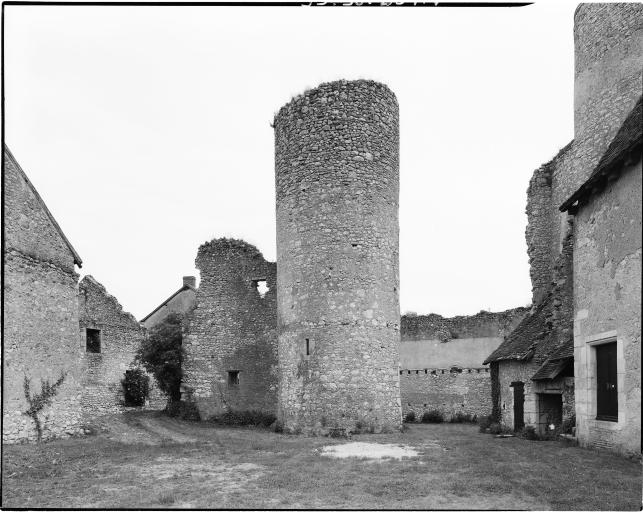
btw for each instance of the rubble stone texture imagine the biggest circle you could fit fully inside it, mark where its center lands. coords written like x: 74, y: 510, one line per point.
x: 337, y: 189
x: 40, y: 324
x: 120, y: 337
x: 233, y: 328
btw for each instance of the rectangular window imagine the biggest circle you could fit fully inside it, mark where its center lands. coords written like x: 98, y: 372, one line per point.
x: 606, y: 383
x: 307, y: 346
x: 92, y: 341
x: 233, y: 378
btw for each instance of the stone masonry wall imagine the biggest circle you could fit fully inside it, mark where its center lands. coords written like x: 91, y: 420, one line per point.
x: 40, y: 314
x: 120, y: 337
x: 232, y: 328
x: 483, y: 324
x: 608, y: 80
x: 337, y: 189
x: 450, y: 392
x: 607, y: 295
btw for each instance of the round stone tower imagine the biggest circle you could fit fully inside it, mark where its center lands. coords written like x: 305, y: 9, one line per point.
x: 337, y: 188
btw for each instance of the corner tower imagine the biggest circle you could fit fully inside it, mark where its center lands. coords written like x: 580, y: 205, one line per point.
x: 337, y: 191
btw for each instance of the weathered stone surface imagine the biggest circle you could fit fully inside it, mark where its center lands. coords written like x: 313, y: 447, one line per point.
x: 607, y: 304
x: 40, y: 327
x: 337, y: 181
x: 232, y: 328
x: 120, y: 337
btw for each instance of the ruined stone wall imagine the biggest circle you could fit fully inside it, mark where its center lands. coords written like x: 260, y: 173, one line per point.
x: 120, y: 337
x: 608, y: 79
x: 450, y: 392
x: 232, y: 328
x: 483, y: 324
x: 40, y: 314
x: 337, y: 189
x: 607, y: 296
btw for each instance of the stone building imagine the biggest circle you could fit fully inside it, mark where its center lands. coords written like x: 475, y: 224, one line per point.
x: 180, y: 302
x: 569, y: 253
x: 607, y: 295
x: 337, y: 190
x: 230, y: 340
x: 40, y: 308
x: 109, y: 339
x: 441, y: 361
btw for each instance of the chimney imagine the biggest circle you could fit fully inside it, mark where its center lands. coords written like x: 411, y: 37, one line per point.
x: 189, y: 281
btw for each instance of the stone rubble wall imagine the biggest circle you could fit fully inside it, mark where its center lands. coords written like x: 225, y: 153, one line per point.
x: 232, y: 328
x: 337, y: 189
x: 483, y: 324
x: 121, y: 336
x: 466, y: 392
x: 40, y: 309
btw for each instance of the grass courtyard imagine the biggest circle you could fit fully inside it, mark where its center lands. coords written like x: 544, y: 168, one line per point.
x: 147, y: 460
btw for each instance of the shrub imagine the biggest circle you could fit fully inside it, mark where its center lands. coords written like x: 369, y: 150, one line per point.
x: 569, y: 424
x: 529, y: 432
x: 136, y: 387
x: 484, y: 422
x: 495, y: 428
x: 461, y: 417
x: 245, y: 418
x: 410, y: 417
x: 432, y: 416
x: 183, y: 410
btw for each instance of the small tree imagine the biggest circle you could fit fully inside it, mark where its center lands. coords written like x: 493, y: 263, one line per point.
x: 38, y: 401
x: 161, y: 354
x: 136, y: 387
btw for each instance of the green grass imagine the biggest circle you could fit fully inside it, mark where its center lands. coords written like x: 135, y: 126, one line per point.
x: 223, y: 467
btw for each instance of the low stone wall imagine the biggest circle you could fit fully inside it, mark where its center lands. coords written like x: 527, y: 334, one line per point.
x: 467, y: 391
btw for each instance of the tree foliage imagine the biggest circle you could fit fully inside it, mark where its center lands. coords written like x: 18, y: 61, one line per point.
x: 161, y: 354
x: 38, y: 401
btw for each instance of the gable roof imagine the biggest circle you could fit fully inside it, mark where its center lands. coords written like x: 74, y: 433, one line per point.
x: 625, y: 142
x: 183, y: 288
x: 9, y: 155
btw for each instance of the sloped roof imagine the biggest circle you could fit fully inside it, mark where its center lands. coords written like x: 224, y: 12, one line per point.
x: 625, y: 142
x: 183, y: 288
x: 551, y: 369
x: 10, y: 156
x: 522, y: 342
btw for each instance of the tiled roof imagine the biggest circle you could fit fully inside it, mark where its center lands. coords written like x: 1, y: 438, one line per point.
x: 521, y: 344
x: 551, y: 369
x: 625, y: 142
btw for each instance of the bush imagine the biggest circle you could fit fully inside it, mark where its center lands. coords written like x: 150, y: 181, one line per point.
x: 136, y: 387
x: 410, y: 417
x: 245, y: 418
x: 432, y: 416
x: 484, y: 422
x: 569, y: 424
x: 529, y: 432
x: 183, y: 410
x: 495, y: 428
x: 461, y: 417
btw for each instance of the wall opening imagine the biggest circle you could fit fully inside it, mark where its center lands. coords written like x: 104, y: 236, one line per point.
x: 606, y: 383
x: 233, y: 378
x: 261, y: 286
x: 307, y: 346
x: 92, y: 341
x: 550, y: 412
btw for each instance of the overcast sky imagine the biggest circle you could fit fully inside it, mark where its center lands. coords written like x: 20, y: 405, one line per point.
x: 146, y: 130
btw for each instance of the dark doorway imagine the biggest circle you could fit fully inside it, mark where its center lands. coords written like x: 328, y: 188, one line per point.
x: 606, y: 383
x: 550, y: 412
x: 519, y: 405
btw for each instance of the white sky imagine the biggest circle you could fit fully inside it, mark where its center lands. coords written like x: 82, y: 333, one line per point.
x: 147, y: 131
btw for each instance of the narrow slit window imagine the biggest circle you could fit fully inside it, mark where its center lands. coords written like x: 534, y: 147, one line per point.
x: 233, y: 378
x: 92, y: 341
x: 307, y: 347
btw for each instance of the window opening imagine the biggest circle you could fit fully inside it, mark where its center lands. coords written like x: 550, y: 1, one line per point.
x: 233, y: 378
x: 93, y: 341
x: 261, y: 286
